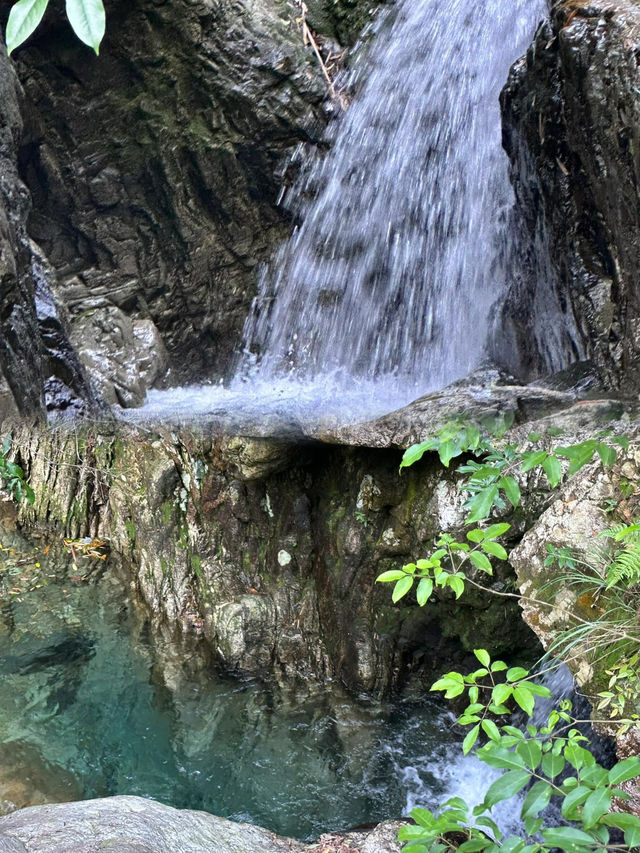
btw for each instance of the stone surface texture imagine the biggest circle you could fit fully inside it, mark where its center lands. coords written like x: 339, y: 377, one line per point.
x: 571, y: 114
x: 155, y: 168
x: 590, y: 502
x: 131, y: 825
x: 137, y: 825
x: 268, y: 550
x: 37, y: 363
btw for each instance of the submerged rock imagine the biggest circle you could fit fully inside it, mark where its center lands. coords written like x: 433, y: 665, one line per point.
x: 26, y: 779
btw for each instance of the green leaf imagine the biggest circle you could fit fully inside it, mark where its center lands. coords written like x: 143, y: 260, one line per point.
x: 621, y: 441
x: 474, y: 845
x: 574, y: 799
x: 490, y: 824
x: 579, y: 455
x: 491, y: 730
x: 495, y: 530
x: 532, y: 458
x: 401, y: 588
x: 498, y: 756
x: 607, y: 454
x: 524, y: 698
x: 530, y: 752
x: 483, y: 656
x: 506, y: 786
x: 476, y: 535
x: 512, y: 844
x: 482, y: 503
x: 452, y: 683
x: 553, y: 469
x: 516, y: 673
x: 578, y: 757
x: 481, y: 561
x: 511, y: 490
x: 625, y: 770
x: 628, y: 823
x: 552, y: 765
x: 391, y: 575
x: 538, y: 689
x: 470, y: 739
x: 87, y: 17
x: 596, y: 804
x: 498, y: 666
x: 416, y: 451
x: 457, y: 585
x: 537, y: 799
x: 24, y: 17
x: 446, y: 452
x: 594, y: 776
x: 495, y: 549
x: 424, y: 590
x: 501, y: 693
x: 423, y: 817
x: 567, y: 838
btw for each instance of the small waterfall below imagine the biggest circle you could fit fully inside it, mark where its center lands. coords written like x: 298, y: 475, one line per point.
x: 400, y: 254
x: 403, y: 250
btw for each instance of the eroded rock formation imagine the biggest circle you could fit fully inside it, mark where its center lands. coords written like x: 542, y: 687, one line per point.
x: 571, y: 117
x: 153, y: 168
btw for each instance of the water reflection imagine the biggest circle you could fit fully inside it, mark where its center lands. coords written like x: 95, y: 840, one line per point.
x: 88, y: 700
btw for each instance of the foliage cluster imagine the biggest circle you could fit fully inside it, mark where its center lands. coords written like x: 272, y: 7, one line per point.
x: 12, y: 478
x: 87, y: 18
x: 552, y: 762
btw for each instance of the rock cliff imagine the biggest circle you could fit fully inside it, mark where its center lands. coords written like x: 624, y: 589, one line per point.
x: 571, y: 114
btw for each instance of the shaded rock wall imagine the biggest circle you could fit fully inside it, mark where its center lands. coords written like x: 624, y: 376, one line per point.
x: 269, y: 550
x: 153, y: 168
x: 571, y: 117
x: 37, y: 363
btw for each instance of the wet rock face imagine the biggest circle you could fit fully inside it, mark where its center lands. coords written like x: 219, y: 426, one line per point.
x: 19, y: 352
x: 571, y: 128
x: 270, y: 551
x: 153, y: 167
x: 38, y: 363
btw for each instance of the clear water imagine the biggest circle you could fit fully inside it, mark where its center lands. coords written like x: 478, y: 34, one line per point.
x: 385, y: 290
x: 89, y: 702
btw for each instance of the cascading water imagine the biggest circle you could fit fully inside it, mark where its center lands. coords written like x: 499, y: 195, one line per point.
x: 395, y: 266
x: 386, y: 286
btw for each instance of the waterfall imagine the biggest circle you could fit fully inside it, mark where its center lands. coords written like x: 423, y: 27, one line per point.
x: 399, y: 256
x: 387, y: 287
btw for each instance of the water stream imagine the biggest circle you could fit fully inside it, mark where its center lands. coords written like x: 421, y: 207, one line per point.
x: 387, y: 287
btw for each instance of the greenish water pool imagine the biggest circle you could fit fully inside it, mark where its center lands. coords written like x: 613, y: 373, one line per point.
x: 90, y: 707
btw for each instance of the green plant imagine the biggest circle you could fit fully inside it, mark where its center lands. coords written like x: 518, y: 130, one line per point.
x: 624, y: 565
x: 12, y: 476
x: 490, y: 483
x: 87, y: 18
x: 552, y: 761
